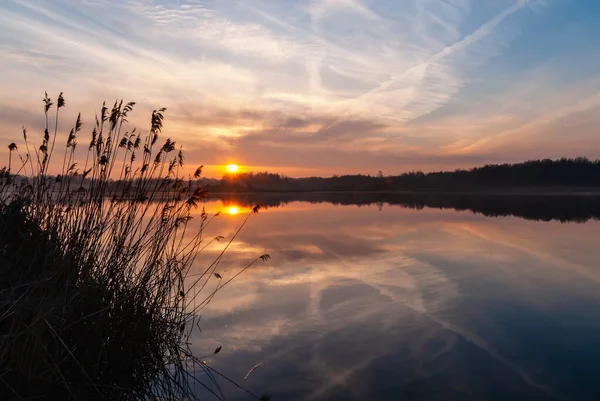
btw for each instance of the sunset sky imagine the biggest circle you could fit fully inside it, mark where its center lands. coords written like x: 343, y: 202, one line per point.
x: 318, y: 87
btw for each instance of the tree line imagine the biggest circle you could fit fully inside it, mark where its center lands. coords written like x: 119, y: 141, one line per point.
x: 566, y: 173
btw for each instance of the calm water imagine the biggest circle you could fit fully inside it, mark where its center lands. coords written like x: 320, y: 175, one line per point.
x: 397, y: 304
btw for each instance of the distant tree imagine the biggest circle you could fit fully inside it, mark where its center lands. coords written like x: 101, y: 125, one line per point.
x: 576, y: 172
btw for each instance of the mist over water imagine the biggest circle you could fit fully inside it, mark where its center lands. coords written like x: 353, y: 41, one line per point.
x: 393, y: 303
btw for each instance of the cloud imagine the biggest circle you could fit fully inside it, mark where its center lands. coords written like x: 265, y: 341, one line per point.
x: 432, y: 82
x: 392, y: 87
x: 318, y: 9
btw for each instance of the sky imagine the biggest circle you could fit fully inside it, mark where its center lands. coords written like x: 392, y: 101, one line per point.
x: 317, y: 87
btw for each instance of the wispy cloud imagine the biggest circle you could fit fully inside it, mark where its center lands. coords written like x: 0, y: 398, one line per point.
x: 318, y: 9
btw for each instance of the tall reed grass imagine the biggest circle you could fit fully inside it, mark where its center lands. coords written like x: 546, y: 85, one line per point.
x: 96, y: 297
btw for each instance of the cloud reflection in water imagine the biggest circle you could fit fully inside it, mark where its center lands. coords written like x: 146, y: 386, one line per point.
x: 405, y: 304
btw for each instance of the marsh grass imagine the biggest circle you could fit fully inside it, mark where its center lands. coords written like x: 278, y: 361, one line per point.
x: 96, y: 297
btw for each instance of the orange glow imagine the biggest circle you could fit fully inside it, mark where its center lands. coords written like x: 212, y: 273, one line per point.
x: 232, y: 168
x: 233, y: 210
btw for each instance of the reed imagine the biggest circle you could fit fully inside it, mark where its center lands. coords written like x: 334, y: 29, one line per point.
x: 96, y: 297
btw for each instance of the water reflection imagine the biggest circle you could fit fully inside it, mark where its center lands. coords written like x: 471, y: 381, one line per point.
x: 405, y: 304
x: 558, y: 206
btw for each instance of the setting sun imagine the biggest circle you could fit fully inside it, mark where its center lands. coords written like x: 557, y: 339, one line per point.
x: 232, y: 168
x: 233, y: 210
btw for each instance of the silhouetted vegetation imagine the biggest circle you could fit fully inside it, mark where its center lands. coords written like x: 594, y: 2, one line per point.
x: 580, y: 174
x: 96, y: 299
x: 531, y: 175
x: 577, y: 172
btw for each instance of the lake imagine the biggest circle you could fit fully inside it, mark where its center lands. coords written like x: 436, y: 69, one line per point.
x: 387, y: 302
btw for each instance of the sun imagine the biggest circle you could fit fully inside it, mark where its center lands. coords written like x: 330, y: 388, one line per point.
x: 232, y: 168
x: 233, y: 210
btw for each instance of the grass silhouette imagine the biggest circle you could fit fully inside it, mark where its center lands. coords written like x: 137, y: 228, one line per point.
x: 96, y: 297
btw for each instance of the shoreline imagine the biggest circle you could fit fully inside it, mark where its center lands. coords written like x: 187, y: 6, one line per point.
x: 487, y: 192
